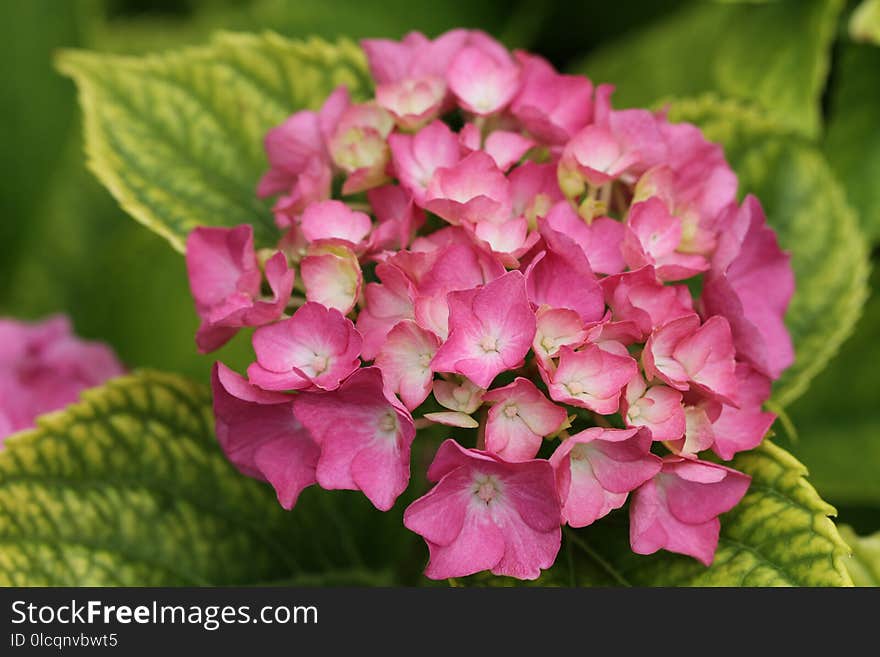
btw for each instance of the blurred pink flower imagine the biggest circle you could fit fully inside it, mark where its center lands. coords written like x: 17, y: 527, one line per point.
x: 44, y: 367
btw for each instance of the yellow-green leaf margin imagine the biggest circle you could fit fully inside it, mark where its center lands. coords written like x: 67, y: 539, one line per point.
x: 128, y: 487
x: 177, y: 138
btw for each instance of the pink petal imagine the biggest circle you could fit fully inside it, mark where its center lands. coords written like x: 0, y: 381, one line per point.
x: 556, y: 328
x: 453, y: 419
x: 397, y: 215
x: 221, y: 262
x: 290, y: 147
x: 334, y: 220
x: 591, y: 378
x: 600, y: 240
x: 332, y: 277
x: 551, y: 106
x: 707, y: 355
x: 596, y: 468
x: 697, y: 491
x: 416, y: 157
x: 519, y: 420
x: 742, y: 429
x: 658, y: 408
x: 463, y: 396
x: 751, y: 285
x: 658, y: 357
x: 317, y: 345
x: 638, y: 296
x: 386, y: 304
x: 482, y: 83
x: 364, y: 434
x: 479, y: 546
x: 414, y: 101
x: 472, y: 190
x: 562, y: 278
x: 405, y: 361
x: 506, y: 148
x: 491, y: 330
x: 261, y: 436
x: 652, y: 528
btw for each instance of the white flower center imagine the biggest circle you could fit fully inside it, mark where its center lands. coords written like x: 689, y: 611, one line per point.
x: 489, y: 344
x: 388, y: 423
x: 319, y: 364
x: 486, y: 488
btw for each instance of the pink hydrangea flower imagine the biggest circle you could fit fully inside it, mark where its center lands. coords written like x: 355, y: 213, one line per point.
x: 640, y: 301
x: 519, y: 420
x: 474, y: 190
x: 595, y: 156
x: 739, y: 429
x: 684, y: 352
x: 332, y: 276
x: 359, y: 146
x: 600, y: 240
x: 551, y: 106
x: 483, y: 81
x: 561, y: 277
x: 654, y: 237
x: 412, y: 102
x: 751, y: 284
x: 657, y: 408
x: 417, y: 157
x: 491, y: 330
x: 678, y: 509
x: 487, y: 514
x: 414, y: 57
x: 44, y: 367
x: 591, y: 378
x: 405, y: 361
x: 499, y: 223
x: 225, y: 282
x: 459, y: 394
x: 364, y: 434
x: 596, y: 470
x: 334, y: 220
x: 298, y: 143
x: 557, y: 328
x: 261, y: 436
x: 317, y: 347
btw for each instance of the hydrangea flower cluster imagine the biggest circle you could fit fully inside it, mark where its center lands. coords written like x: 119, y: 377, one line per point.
x: 44, y: 367
x: 574, y: 290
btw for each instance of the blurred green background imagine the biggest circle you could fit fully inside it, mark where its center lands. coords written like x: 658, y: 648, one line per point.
x: 65, y: 246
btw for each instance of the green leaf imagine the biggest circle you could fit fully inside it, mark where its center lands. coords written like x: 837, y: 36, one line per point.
x: 178, y: 138
x: 864, y: 564
x: 775, y: 54
x: 129, y: 488
x: 852, y: 141
x: 838, y: 419
x: 806, y: 205
x: 864, y: 24
x: 778, y: 535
